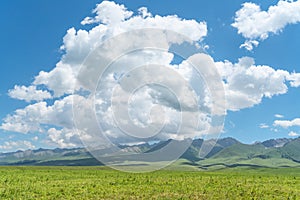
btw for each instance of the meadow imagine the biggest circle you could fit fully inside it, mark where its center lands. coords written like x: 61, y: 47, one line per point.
x: 38, y: 182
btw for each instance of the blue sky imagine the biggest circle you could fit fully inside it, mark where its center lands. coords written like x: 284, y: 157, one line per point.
x: 33, y: 31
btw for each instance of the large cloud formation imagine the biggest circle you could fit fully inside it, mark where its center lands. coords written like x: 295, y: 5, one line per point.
x: 56, y: 119
x: 70, y: 80
x: 256, y: 25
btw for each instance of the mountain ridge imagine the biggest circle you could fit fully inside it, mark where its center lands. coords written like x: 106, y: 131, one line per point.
x: 203, y: 154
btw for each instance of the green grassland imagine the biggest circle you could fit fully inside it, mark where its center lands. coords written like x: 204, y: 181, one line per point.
x: 103, y: 183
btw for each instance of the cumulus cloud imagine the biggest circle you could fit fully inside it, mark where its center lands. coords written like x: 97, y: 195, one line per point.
x: 153, y: 106
x: 287, y: 123
x: 246, y: 84
x: 69, y: 75
x: 32, y: 118
x: 26, y: 120
x: 254, y: 24
x: 63, y: 138
x: 114, y: 19
x: 29, y: 94
x: 42, y: 118
x: 61, y: 80
x: 108, y: 12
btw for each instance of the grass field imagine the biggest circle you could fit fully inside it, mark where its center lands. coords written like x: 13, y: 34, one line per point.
x: 104, y: 183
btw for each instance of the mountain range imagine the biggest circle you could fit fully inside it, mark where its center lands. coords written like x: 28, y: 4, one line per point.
x: 224, y: 153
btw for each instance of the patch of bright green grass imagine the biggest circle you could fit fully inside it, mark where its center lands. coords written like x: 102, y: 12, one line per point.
x: 104, y: 183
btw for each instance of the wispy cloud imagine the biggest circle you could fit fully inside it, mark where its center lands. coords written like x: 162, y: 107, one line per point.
x: 263, y: 126
x: 278, y: 116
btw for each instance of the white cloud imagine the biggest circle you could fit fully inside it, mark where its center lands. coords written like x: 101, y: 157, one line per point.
x: 293, y: 134
x: 152, y: 105
x: 278, y: 116
x: 108, y: 12
x: 263, y: 126
x: 249, y: 44
x: 26, y: 120
x: 32, y: 118
x: 63, y: 138
x: 246, y: 84
x: 40, y: 117
x: 143, y: 11
x: 114, y: 19
x: 287, y: 123
x: 254, y: 24
x: 294, y: 79
x: 20, y: 145
x: 35, y: 138
x: 28, y: 94
x: 61, y: 80
x: 110, y: 20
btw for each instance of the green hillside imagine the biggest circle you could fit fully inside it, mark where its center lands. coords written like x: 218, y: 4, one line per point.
x: 202, y: 154
x: 291, y: 150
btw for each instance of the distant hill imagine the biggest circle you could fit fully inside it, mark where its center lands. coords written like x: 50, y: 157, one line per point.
x: 276, y: 142
x: 76, y: 156
x: 204, y: 154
